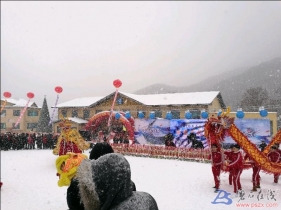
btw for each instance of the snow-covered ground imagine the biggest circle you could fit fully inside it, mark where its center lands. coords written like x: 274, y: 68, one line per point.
x: 30, y: 183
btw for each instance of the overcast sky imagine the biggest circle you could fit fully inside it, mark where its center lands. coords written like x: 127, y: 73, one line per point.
x: 84, y: 46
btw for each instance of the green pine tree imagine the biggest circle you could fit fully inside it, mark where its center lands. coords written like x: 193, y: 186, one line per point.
x: 44, y: 119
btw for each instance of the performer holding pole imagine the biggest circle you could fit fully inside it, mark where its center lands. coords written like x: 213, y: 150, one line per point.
x: 256, y: 169
x: 274, y: 157
x: 216, y: 159
x: 236, y: 168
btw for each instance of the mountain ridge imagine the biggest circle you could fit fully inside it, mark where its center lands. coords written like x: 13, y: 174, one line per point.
x: 231, y: 84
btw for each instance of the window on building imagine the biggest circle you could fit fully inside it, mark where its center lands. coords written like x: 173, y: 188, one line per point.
x: 86, y: 113
x: 74, y: 113
x: 17, y: 127
x: 64, y: 112
x: 16, y: 112
x: 175, y: 114
x: 196, y: 114
x: 31, y: 125
x: 3, y: 125
x: 119, y: 101
x: 158, y: 114
x: 3, y: 113
x: 97, y: 111
x: 32, y: 113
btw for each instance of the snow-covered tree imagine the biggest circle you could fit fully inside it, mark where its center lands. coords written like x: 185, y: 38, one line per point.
x: 44, y: 119
x: 254, y: 97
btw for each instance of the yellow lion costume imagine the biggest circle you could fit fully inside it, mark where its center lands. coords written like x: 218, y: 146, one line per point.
x: 67, y: 166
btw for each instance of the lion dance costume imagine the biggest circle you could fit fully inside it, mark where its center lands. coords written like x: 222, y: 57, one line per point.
x: 67, y: 166
x: 70, y: 140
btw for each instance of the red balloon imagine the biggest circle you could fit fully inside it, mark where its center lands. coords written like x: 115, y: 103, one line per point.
x: 117, y: 83
x: 30, y: 95
x: 58, y: 89
x: 7, y: 94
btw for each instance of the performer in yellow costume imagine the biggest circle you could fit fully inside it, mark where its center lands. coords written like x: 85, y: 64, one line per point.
x: 69, y: 140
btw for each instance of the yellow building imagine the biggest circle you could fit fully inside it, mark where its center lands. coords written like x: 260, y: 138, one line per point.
x: 11, y: 113
x: 82, y: 109
x: 176, y: 103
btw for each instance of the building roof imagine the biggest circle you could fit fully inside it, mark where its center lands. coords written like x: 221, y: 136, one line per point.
x: 175, y: 98
x: 193, y: 98
x: 19, y: 103
x: 79, y: 102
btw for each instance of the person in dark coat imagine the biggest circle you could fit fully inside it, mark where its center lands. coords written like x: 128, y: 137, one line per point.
x: 169, y: 140
x: 196, y: 144
x: 169, y: 143
x: 262, y: 146
x: 105, y: 184
x: 73, y: 197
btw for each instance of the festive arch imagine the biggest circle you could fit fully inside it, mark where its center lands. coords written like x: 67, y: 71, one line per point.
x: 131, y: 119
x: 216, y: 128
x: 102, y: 117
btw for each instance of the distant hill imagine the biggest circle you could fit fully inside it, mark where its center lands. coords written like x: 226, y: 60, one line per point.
x: 231, y: 84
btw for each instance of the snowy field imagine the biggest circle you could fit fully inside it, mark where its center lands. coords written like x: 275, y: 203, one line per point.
x: 30, y: 183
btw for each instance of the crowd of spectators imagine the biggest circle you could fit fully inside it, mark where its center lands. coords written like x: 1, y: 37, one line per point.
x: 20, y: 141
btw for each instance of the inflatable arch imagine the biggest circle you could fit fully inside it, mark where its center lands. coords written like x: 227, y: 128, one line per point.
x: 102, y: 117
